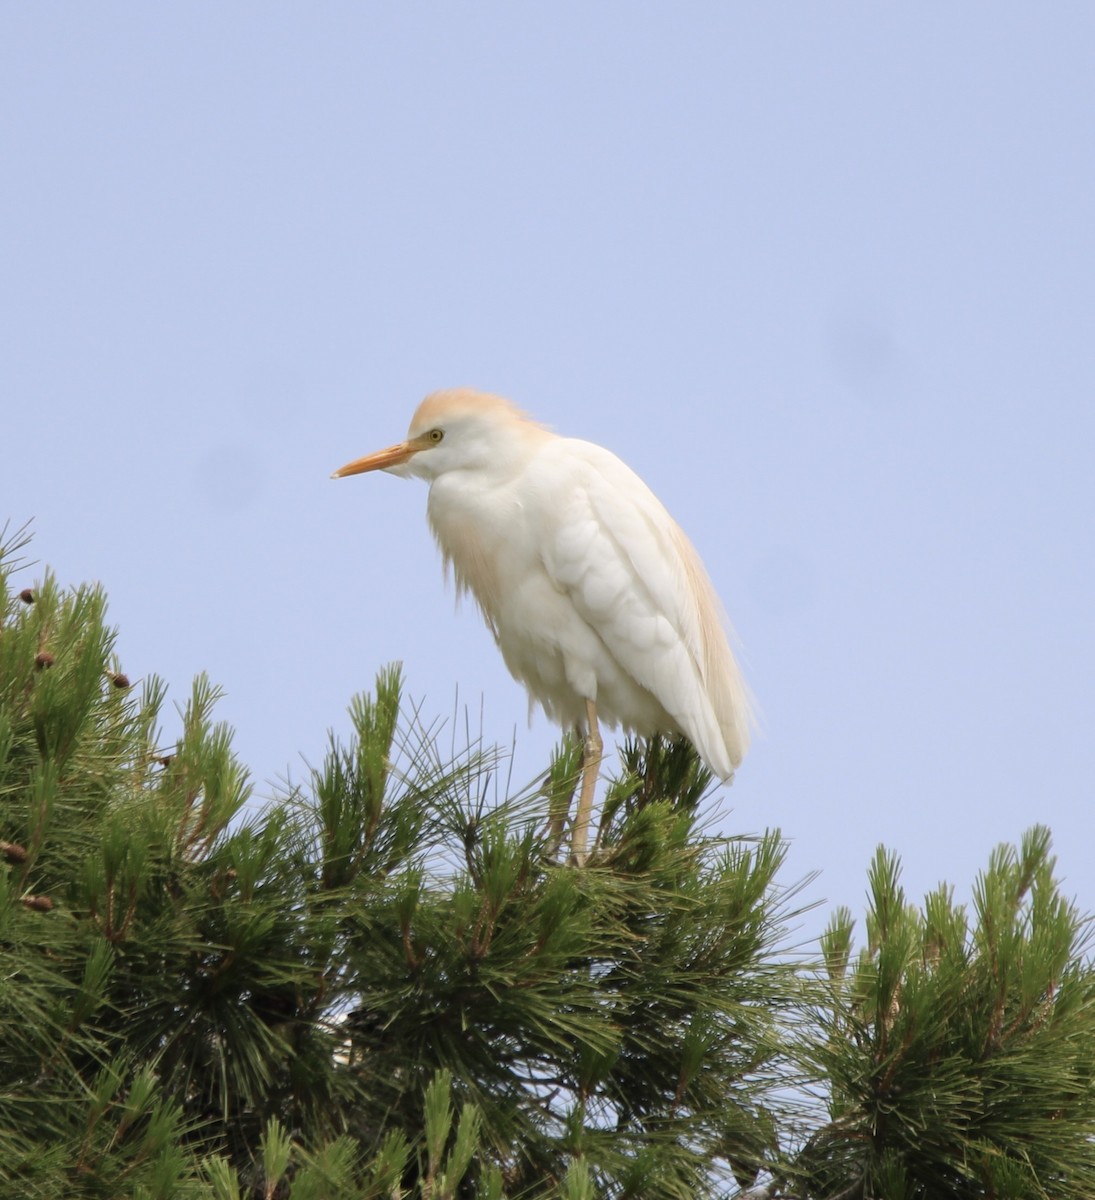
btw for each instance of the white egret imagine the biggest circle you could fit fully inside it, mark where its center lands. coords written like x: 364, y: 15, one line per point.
x: 599, y: 604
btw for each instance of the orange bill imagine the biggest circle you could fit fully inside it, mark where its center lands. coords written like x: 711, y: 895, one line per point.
x: 392, y: 457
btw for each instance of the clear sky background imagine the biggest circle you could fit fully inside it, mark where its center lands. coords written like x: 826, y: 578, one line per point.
x: 823, y: 274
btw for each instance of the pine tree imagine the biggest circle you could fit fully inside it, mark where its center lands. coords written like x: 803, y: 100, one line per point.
x: 959, y: 1055
x: 389, y: 982
x: 380, y: 985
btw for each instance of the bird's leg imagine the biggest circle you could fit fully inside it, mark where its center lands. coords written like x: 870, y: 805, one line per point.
x: 591, y: 765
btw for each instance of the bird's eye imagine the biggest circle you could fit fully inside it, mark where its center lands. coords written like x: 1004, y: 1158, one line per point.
x: 436, y: 435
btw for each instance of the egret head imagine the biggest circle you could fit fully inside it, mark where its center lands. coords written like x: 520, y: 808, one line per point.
x: 453, y: 430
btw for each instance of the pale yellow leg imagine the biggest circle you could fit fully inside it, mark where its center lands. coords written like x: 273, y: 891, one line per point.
x: 591, y: 766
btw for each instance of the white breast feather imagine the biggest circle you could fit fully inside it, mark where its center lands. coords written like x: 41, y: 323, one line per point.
x: 633, y: 578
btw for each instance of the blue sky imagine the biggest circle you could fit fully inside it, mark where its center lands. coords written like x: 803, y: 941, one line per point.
x: 824, y: 275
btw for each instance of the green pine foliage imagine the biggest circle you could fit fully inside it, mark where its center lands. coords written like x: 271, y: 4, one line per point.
x: 390, y: 982
x: 959, y: 1053
x: 387, y: 983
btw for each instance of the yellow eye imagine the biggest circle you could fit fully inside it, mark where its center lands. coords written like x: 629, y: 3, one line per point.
x: 436, y: 435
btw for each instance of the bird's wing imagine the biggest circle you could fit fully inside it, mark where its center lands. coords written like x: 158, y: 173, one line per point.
x: 636, y: 580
